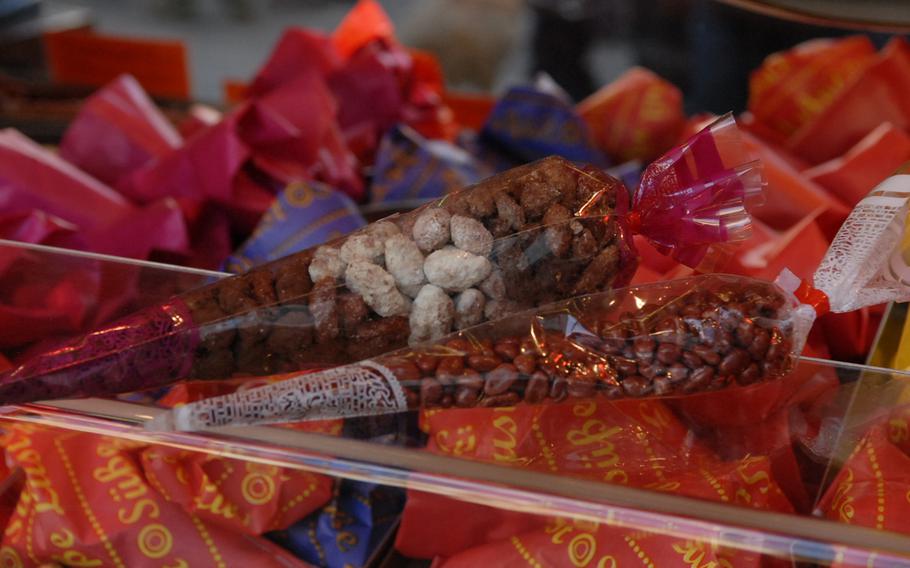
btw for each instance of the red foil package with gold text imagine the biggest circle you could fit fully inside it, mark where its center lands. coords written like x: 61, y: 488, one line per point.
x: 96, y: 501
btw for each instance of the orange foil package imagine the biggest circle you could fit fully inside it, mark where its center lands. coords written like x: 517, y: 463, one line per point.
x: 878, y: 155
x: 792, y: 88
x: 583, y: 543
x: 636, y: 117
x: 636, y: 443
x: 822, y: 97
x: 240, y: 496
x: 94, y: 501
x: 426, y: 529
x: 629, y: 442
x: 878, y: 95
x: 871, y: 488
x: 790, y: 196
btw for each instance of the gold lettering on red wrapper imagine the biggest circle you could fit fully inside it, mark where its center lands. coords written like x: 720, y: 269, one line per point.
x: 154, y: 540
x: 843, y: 501
x: 210, y: 499
x: 504, y: 447
x: 582, y: 548
x: 580, y: 539
x: 595, y: 435
x: 790, y: 90
x: 653, y: 108
x: 655, y: 415
x: 97, y: 530
x: 38, y: 483
x: 774, y: 68
x: 463, y: 442
x: 758, y: 478
x: 664, y: 486
x: 693, y: 553
x: 65, y: 539
x: 129, y: 487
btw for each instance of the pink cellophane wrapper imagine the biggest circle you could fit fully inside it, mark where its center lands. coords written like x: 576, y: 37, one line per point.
x: 696, y: 195
x: 117, y: 130
x: 36, y: 226
x: 204, y: 167
x: 36, y: 180
x: 199, y: 117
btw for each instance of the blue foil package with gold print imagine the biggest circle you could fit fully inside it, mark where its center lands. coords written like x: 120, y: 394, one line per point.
x: 529, y: 124
x: 347, y: 531
x: 409, y: 166
x: 303, y: 215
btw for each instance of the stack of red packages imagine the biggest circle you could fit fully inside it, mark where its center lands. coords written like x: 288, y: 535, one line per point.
x: 871, y: 487
x: 636, y: 443
x: 88, y: 500
x: 140, y: 186
x: 829, y: 120
x: 837, y: 112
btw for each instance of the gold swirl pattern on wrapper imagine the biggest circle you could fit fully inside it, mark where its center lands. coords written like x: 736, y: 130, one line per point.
x: 257, y: 488
x: 504, y: 447
x: 9, y: 558
x: 581, y: 544
x: 463, y: 443
x: 300, y: 194
x: 155, y: 541
x: 65, y: 539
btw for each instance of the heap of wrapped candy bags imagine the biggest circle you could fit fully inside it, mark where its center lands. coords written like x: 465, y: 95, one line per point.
x: 538, y: 308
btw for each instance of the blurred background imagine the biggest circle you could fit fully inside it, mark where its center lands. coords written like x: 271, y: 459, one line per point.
x: 707, y: 48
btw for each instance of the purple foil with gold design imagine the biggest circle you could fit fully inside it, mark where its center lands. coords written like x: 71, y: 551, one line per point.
x: 409, y: 166
x: 304, y: 215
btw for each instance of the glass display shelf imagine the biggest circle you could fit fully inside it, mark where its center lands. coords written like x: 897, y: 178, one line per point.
x: 817, y: 415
